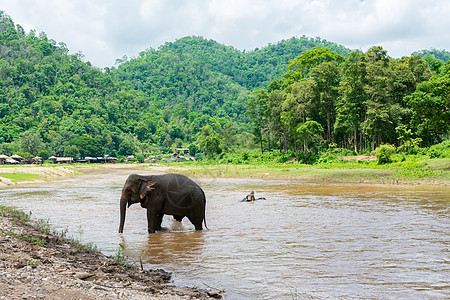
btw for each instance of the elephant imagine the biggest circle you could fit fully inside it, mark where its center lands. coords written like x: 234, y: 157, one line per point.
x: 168, y: 194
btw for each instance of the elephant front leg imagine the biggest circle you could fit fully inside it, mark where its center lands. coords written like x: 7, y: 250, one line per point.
x: 159, y: 221
x: 152, y: 219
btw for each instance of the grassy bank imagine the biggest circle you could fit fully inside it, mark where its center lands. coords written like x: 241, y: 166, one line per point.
x: 420, y: 170
x: 27, y: 173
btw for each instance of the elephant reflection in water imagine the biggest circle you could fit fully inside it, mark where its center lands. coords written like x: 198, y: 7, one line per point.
x: 182, y: 247
x: 168, y: 194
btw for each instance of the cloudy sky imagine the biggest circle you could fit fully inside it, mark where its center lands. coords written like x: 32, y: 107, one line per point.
x: 104, y: 30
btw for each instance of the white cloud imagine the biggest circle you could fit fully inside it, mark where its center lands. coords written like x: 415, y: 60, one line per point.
x: 105, y: 30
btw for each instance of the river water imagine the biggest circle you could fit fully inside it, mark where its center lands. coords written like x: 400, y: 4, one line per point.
x: 306, y: 240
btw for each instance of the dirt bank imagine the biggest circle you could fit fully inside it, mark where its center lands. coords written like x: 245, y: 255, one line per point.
x: 36, y: 265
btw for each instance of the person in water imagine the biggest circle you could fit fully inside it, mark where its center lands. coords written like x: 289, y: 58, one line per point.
x: 251, y: 196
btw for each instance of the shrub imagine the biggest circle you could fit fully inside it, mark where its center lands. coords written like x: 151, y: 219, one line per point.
x: 310, y: 158
x: 384, y: 153
x: 441, y: 150
x: 199, y: 156
x: 333, y: 154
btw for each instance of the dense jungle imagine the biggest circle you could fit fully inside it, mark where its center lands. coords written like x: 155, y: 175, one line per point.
x: 300, y: 98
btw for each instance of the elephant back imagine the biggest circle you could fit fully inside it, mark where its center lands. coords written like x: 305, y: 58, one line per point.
x: 182, y: 192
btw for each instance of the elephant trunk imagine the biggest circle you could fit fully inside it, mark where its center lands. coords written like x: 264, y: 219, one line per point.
x: 123, y: 209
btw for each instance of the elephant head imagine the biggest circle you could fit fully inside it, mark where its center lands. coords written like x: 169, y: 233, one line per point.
x: 135, y: 190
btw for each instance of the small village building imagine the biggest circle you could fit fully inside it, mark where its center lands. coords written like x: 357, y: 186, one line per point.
x: 184, y: 151
x: 36, y: 160
x: 3, y: 159
x: 64, y: 160
x: 11, y: 161
x: 129, y: 158
x: 17, y: 157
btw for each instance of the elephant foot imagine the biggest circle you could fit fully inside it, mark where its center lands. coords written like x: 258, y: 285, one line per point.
x: 151, y: 230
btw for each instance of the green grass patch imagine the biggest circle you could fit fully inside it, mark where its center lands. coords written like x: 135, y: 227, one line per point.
x: 30, y: 239
x: 416, y: 173
x: 15, y: 213
x: 19, y: 176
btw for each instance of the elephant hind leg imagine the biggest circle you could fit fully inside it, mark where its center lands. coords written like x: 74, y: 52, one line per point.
x: 197, y: 222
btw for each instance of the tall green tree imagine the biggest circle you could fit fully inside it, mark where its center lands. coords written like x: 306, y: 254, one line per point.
x: 309, y: 133
x: 350, y: 106
x: 30, y: 141
x: 430, y: 105
x: 327, y: 78
x: 301, y: 66
x: 87, y: 146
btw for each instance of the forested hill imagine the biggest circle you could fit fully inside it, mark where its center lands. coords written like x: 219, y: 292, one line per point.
x: 251, y: 70
x: 191, y: 92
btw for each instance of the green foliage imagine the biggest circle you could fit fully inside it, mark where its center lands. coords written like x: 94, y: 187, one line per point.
x: 384, y: 153
x: 158, y: 100
x: 441, y: 55
x: 87, y: 146
x: 120, y: 258
x: 210, y: 141
x: 430, y: 106
x: 441, y: 150
x: 333, y: 154
x: 416, y: 173
x: 358, y: 101
x: 406, y: 141
x: 54, y: 103
x: 30, y: 141
x: 309, y: 157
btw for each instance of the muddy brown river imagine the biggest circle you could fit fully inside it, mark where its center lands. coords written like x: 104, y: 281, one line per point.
x: 306, y: 240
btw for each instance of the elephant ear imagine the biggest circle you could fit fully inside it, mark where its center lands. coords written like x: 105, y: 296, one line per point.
x: 147, y: 186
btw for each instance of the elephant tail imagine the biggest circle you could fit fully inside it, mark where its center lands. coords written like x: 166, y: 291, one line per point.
x: 204, y: 217
x: 204, y: 221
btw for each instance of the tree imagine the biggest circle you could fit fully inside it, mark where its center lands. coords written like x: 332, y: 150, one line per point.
x: 126, y: 147
x: 71, y: 151
x: 434, y: 63
x: 326, y: 75
x: 309, y: 133
x: 210, y: 141
x: 384, y: 153
x: 350, y: 110
x: 87, y: 146
x: 405, y: 138
x: 430, y: 104
x: 30, y: 141
x: 301, y: 66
